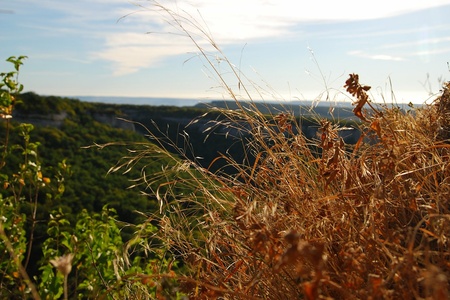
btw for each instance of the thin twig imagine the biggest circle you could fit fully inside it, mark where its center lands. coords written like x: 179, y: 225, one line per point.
x: 19, y: 265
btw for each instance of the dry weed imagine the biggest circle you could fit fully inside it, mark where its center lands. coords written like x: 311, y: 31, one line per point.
x: 317, y: 218
x: 321, y: 218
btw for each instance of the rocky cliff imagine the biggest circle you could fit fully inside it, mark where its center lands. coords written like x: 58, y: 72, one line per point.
x: 128, y: 116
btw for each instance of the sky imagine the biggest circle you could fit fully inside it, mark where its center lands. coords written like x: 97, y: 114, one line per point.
x: 281, y: 49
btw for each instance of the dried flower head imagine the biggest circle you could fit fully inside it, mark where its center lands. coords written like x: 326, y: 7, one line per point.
x: 63, y: 263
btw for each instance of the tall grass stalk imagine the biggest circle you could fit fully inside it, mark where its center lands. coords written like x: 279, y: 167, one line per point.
x: 313, y: 218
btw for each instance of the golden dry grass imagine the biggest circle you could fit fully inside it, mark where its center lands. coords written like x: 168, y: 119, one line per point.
x: 314, y: 219
x: 318, y: 218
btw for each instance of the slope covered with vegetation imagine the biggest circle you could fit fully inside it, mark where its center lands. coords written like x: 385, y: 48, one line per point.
x: 276, y: 215
x: 88, y: 185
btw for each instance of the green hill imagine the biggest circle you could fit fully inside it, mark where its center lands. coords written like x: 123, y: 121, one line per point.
x: 65, y: 127
x: 67, y: 130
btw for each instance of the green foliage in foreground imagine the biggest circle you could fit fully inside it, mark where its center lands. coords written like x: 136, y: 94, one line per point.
x: 93, y: 247
x: 57, y: 236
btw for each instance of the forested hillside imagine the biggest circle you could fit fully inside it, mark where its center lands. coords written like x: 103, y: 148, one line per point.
x: 65, y: 127
x: 65, y: 139
x: 197, y: 131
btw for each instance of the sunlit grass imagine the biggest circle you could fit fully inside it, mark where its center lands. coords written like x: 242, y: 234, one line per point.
x: 313, y: 218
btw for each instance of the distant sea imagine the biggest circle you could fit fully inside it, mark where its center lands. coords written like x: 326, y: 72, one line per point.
x: 141, y: 100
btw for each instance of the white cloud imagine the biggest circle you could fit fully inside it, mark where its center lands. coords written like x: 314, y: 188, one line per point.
x: 234, y: 20
x: 359, y: 53
x: 420, y: 42
x: 423, y: 48
x: 231, y: 22
x: 431, y: 52
x: 130, y: 52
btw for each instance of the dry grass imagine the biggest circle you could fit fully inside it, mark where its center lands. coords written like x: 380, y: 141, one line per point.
x: 369, y: 220
x: 315, y: 219
x: 352, y: 221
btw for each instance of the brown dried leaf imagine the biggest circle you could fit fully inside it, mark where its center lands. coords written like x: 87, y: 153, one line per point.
x: 375, y: 125
x: 357, y: 90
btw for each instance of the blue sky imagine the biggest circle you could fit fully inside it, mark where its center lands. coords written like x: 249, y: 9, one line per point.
x: 288, y: 49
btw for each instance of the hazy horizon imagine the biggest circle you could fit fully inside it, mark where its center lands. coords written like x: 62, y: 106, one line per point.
x: 169, y: 101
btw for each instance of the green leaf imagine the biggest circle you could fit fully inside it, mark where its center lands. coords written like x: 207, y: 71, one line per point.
x: 11, y: 84
x: 61, y: 188
x: 16, y: 61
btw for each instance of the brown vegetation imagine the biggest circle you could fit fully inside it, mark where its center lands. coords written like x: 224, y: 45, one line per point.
x: 319, y: 218
x: 314, y: 219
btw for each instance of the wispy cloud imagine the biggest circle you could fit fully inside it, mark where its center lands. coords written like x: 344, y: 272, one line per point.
x: 431, y: 52
x: 423, y: 47
x: 419, y: 42
x: 236, y: 21
x: 359, y: 53
x: 128, y: 49
x: 374, y: 33
x: 130, y: 52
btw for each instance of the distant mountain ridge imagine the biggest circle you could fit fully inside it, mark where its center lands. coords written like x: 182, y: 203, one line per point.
x: 172, y: 122
x: 324, y: 109
x: 334, y: 110
x: 52, y: 111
